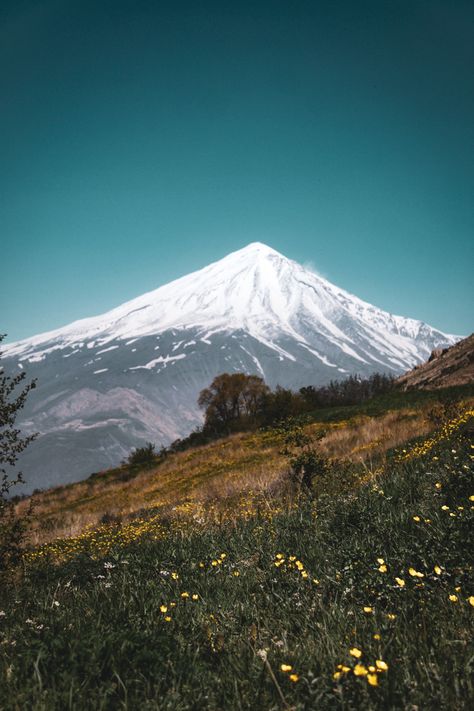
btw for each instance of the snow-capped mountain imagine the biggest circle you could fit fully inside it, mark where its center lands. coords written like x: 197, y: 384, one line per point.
x: 108, y: 383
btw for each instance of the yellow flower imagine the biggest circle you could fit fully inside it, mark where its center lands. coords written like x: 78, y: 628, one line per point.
x: 380, y: 561
x: 195, y: 596
x: 201, y: 565
x: 360, y: 670
x: 315, y: 581
x: 471, y: 600
x: 304, y: 574
x: 391, y: 616
x: 294, y: 677
x: 236, y: 573
x: 167, y: 618
x: 383, y: 568
x: 184, y: 594
x: 372, y: 679
x: 453, y: 598
x: 416, y: 518
x: 368, y: 609
x: 355, y: 652
x: 377, y: 636
x: 292, y: 558
x: 400, y: 582
x: 381, y: 665
x: 279, y: 556
x: 437, y: 570
x: 444, y: 508
x: 337, y: 675
x: 438, y: 485
x: 415, y: 574
x: 286, y: 667
x: 471, y: 498
x: 223, y: 555
x: 175, y: 576
x: 163, y: 608
x: 214, y: 563
x: 299, y: 565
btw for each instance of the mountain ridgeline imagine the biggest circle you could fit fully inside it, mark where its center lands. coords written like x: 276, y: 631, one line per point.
x: 112, y: 382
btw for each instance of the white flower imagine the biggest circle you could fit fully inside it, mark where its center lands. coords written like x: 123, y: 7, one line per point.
x: 56, y: 603
x: 109, y: 566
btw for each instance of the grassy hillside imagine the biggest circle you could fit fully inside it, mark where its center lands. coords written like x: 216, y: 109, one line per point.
x: 361, y: 599
x: 215, y: 474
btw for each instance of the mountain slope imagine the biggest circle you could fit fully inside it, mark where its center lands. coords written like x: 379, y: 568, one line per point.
x: 445, y: 368
x: 133, y: 374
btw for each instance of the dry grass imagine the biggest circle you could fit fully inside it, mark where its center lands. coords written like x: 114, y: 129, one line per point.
x: 218, y: 471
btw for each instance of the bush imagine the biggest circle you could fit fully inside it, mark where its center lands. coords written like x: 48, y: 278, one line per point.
x: 145, y: 455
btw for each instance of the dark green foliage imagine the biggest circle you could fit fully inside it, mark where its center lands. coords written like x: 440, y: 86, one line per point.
x: 106, y: 644
x: 12, y: 444
x: 306, y: 463
x: 232, y: 401
x: 142, y: 456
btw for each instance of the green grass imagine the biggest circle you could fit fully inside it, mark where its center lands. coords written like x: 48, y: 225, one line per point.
x: 84, y: 635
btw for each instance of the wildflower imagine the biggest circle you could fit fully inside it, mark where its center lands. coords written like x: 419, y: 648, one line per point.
x: 56, y: 603
x: 279, y: 556
x: 453, y: 598
x: 299, y: 565
x: 223, y: 555
x: 376, y: 636
x: 471, y: 498
x: 336, y: 675
x: 437, y: 570
x: 167, y: 618
x: 315, y: 581
x: 304, y: 574
x: 372, y: 679
x: 471, y: 600
x: 444, y: 508
x: 416, y: 518
x: 391, y: 616
x: 214, y: 563
x: 400, y: 582
x: 415, y: 574
x: 382, y: 568
x: 381, y: 665
x: 195, y: 596
x: 380, y: 561
x: 163, y: 608
x: 286, y: 667
x: 355, y: 652
x: 201, y: 564
x: 368, y: 609
x: 438, y: 485
x: 3, y: 613
x: 175, y: 576
x: 360, y: 670
x: 236, y: 573
x: 294, y: 677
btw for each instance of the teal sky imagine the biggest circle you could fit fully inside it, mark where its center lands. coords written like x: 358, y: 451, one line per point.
x: 140, y: 140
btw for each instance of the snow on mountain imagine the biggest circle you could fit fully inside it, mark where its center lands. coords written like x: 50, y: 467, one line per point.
x: 133, y: 374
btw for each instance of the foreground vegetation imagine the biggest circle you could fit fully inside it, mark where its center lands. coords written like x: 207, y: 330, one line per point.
x: 358, y: 599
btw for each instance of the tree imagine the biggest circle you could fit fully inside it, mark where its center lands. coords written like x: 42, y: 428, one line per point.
x: 12, y: 443
x: 231, y: 399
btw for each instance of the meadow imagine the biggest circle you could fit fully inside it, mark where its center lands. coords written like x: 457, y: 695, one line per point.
x: 357, y: 597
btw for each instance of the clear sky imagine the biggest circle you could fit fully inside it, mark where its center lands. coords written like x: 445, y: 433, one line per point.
x: 140, y: 140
